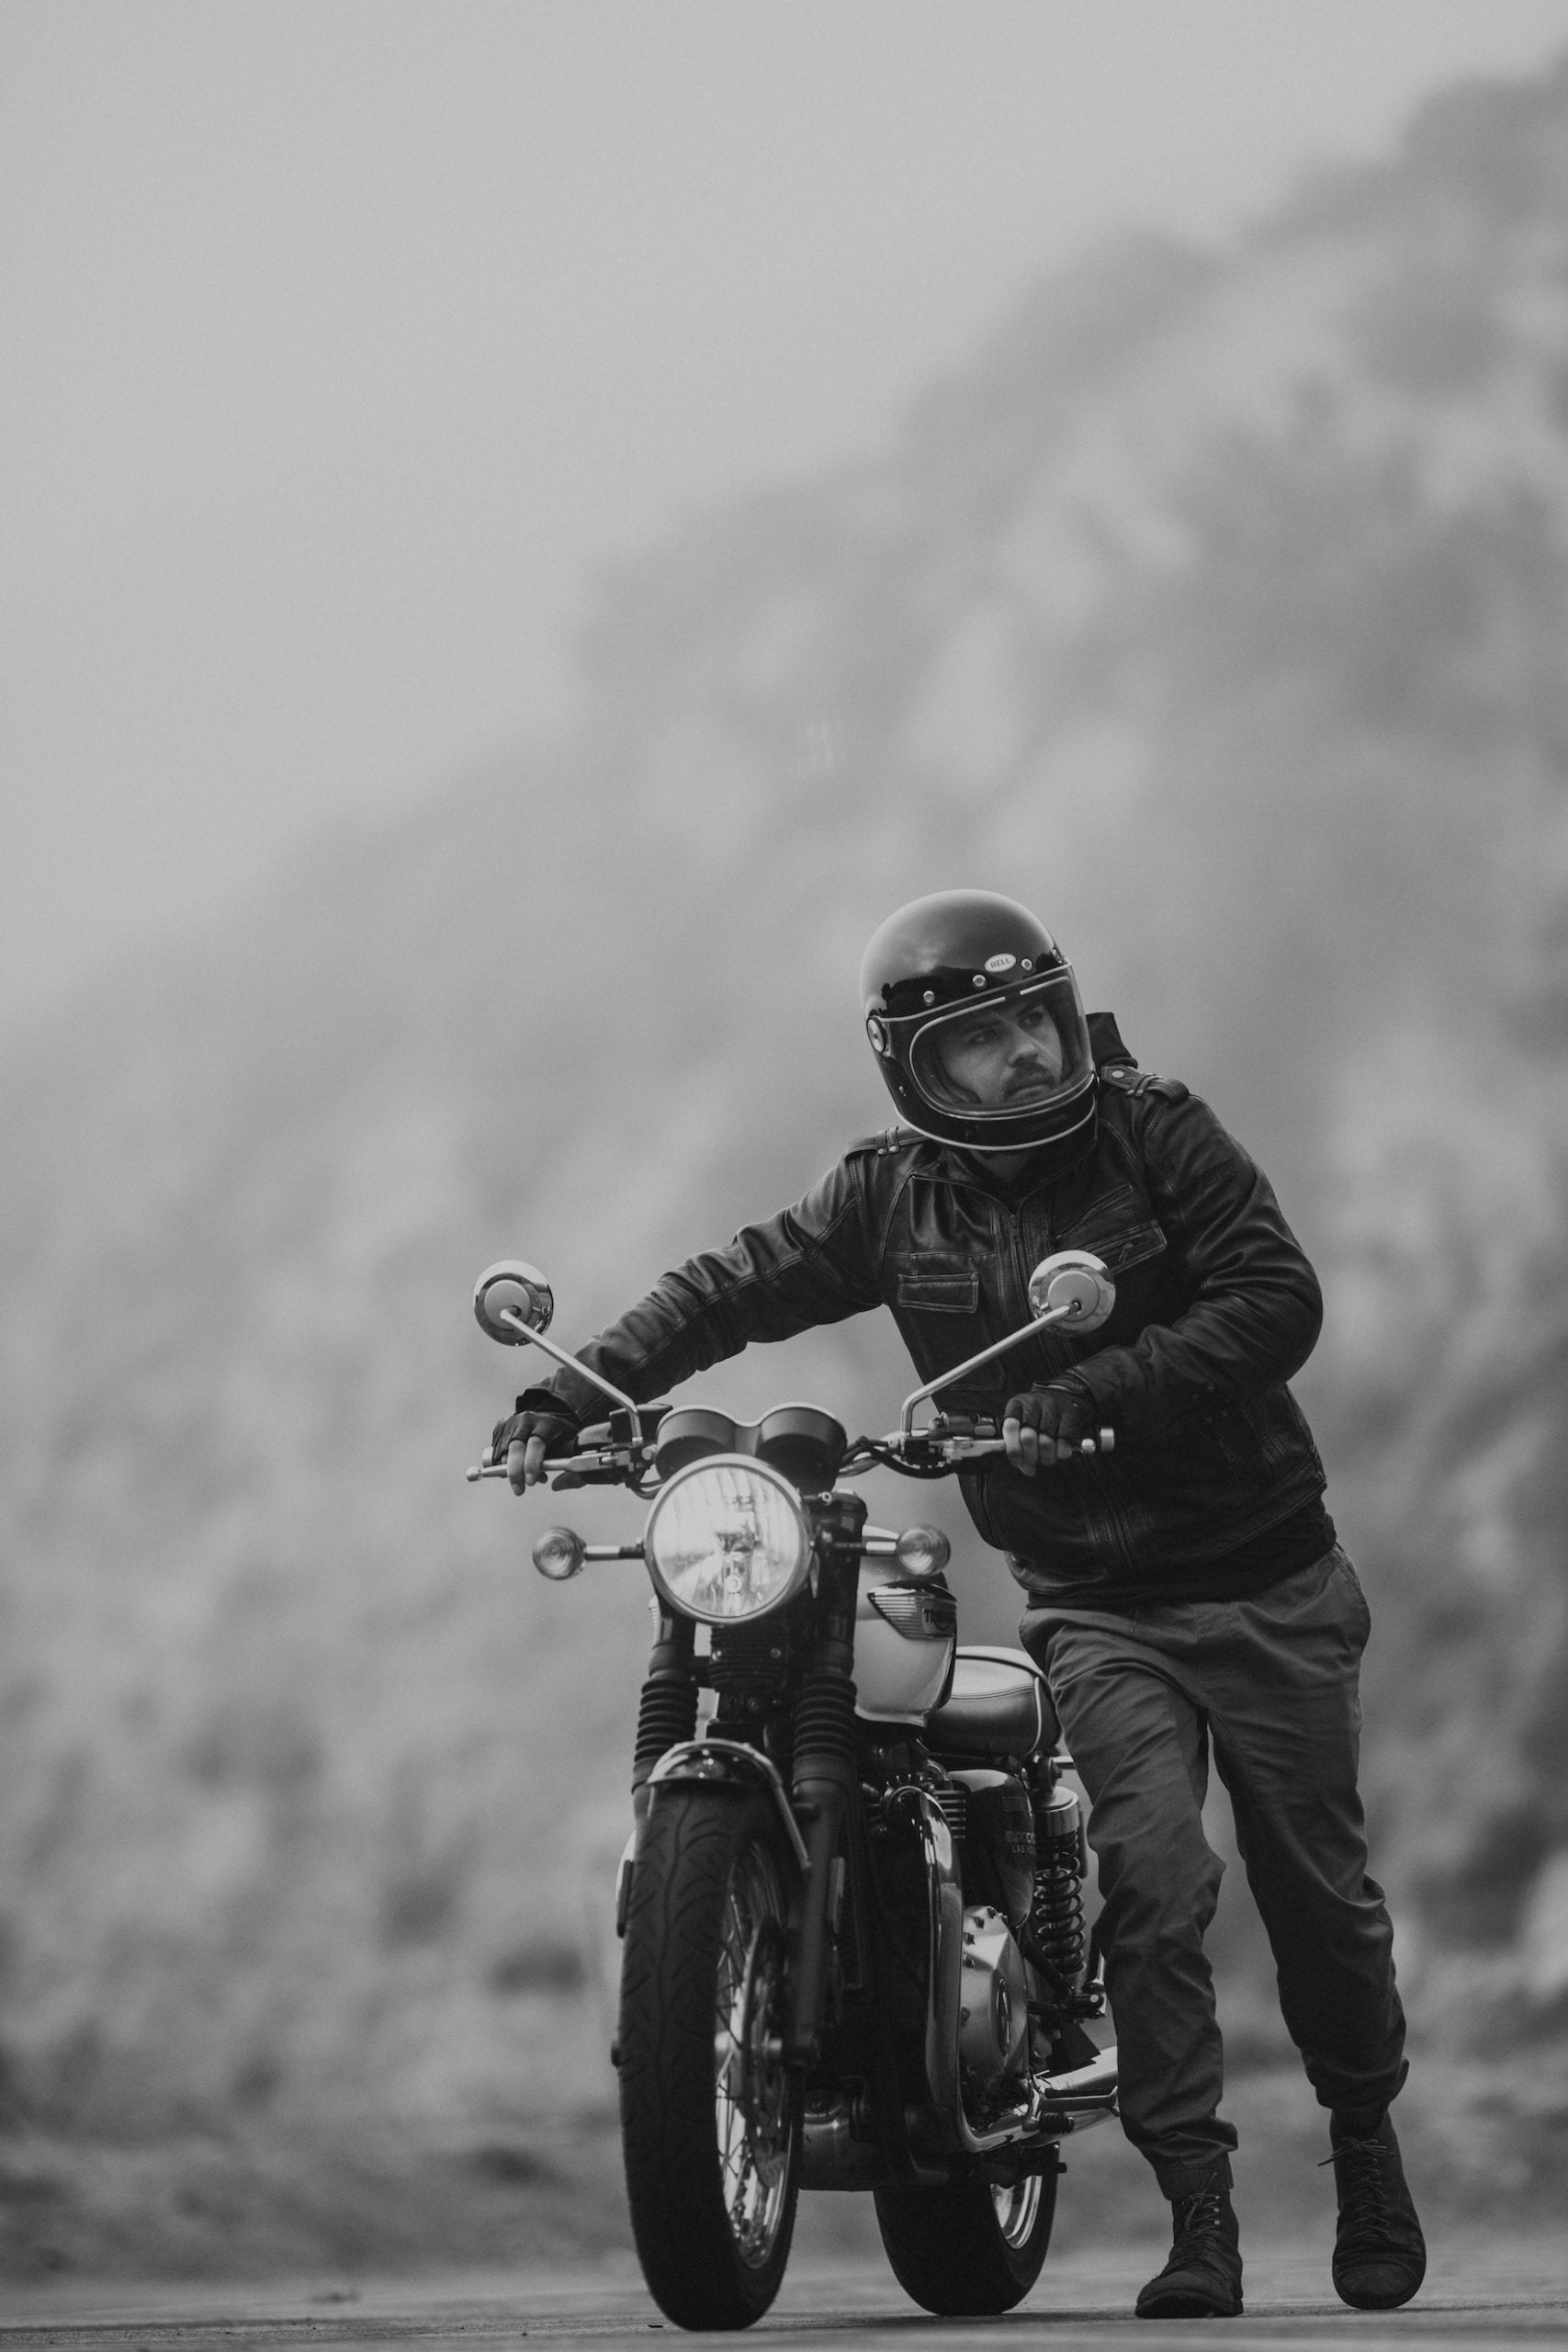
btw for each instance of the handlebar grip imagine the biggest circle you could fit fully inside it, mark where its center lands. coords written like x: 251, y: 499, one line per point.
x: 955, y: 1451
x: 1102, y: 1442
x: 488, y: 1468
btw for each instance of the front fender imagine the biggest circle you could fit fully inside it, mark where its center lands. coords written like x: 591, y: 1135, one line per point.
x: 727, y: 1763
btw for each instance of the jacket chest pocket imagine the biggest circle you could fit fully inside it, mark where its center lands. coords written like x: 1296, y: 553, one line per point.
x: 939, y: 1290
x: 1120, y: 1229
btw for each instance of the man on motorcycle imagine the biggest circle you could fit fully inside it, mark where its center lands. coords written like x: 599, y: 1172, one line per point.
x: 1183, y: 1591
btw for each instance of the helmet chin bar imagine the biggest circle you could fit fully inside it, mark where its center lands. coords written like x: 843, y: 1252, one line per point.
x: 1017, y: 1149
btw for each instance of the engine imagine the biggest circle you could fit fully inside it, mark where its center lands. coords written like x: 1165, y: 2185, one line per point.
x: 989, y: 1813
x: 993, y: 2017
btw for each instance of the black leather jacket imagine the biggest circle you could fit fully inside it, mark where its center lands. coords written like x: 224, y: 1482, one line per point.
x: 1217, y: 1306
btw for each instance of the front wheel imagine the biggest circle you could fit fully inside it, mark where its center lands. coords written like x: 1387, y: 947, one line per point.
x: 710, y: 2118
x: 971, y: 2247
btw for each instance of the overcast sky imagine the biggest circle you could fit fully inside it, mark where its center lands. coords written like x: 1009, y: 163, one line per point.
x: 342, y: 337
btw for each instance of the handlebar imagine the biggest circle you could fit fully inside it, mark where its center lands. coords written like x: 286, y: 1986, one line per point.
x: 931, y: 1452
x: 605, y: 1461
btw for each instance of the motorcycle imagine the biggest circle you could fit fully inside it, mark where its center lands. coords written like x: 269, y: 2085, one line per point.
x: 853, y: 1912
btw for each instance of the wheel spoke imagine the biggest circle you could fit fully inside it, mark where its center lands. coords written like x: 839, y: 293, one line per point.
x: 1017, y: 2206
x: 751, y: 2112
x: 729, y: 2075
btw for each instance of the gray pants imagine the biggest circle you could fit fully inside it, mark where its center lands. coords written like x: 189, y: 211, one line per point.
x: 1271, y: 1680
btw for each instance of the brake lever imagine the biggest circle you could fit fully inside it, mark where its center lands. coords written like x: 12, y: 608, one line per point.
x: 610, y: 1457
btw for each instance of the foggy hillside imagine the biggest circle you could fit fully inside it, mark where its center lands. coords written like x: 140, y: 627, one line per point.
x: 1217, y: 610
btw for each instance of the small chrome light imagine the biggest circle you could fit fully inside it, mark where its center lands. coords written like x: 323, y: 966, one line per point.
x: 560, y: 1552
x: 923, y: 1551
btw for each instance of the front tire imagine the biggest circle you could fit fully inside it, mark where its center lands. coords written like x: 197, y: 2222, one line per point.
x: 710, y: 2118
x: 968, y: 2249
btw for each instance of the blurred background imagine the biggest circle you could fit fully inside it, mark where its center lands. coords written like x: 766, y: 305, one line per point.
x: 529, y: 528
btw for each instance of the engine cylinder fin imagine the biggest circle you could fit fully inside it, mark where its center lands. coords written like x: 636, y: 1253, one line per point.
x: 952, y: 1802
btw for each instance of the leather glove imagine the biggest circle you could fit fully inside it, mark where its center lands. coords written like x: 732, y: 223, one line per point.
x: 542, y: 1424
x: 1046, y: 1425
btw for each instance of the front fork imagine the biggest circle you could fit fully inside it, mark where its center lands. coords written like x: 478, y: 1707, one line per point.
x: 826, y: 1779
x: 667, y: 1712
x: 666, y: 1717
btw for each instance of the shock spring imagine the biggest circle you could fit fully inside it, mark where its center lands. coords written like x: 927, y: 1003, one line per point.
x: 1055, y: 1931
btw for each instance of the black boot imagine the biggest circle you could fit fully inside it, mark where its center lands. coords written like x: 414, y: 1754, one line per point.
x: 1202, y: 2278
x: 1380, y: 2255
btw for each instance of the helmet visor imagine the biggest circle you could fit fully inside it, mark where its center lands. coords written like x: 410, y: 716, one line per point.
x: 1006, y: 1056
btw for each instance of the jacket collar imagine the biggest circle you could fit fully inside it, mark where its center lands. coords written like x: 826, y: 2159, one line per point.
x: 1105, y: 1042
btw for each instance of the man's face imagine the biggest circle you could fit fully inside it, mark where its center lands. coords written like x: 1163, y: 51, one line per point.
x: 1003, y: 1054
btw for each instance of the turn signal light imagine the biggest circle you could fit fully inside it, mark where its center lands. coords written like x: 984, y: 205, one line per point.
x: 560, y: 1552
x: 923, y: 1551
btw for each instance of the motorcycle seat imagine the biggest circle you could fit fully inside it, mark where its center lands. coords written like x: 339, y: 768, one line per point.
x: 999, y: 1705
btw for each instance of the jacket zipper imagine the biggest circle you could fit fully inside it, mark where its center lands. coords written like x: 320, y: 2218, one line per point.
x: 1018, y: 1312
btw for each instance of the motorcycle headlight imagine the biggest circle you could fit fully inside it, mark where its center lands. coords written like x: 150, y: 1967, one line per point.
x: 727, y: 1538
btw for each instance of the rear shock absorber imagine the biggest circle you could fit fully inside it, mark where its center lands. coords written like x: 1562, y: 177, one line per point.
x: 1054, y: 1936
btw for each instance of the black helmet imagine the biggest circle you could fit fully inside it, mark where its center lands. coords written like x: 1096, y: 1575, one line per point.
x: 963, y: 973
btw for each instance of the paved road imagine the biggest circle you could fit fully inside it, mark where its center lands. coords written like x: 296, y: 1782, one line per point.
x: 1494, y: 2293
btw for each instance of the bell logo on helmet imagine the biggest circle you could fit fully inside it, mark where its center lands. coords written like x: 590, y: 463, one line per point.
x: 1000, y: 963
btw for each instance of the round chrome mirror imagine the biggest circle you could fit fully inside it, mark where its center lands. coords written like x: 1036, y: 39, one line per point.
x: 1073, y: 1288
x: 509, y: 1294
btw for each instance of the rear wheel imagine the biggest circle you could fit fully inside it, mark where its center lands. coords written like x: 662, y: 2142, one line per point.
x: 710, y: 2118
x: 971, y: 2247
